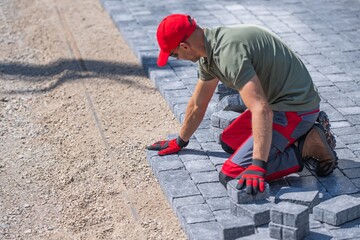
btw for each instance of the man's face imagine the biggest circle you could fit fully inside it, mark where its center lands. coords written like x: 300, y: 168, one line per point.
x: 185, y: 52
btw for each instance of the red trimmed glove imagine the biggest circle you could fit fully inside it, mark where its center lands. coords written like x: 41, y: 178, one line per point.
x: 168, y: 146
x: 253, y: 177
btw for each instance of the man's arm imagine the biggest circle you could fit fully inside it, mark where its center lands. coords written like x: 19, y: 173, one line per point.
x: 262, y: 117
x: 194, y: 114
x: 197, y: 106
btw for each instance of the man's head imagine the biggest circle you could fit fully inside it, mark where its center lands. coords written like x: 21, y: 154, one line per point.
x: 172, y: 33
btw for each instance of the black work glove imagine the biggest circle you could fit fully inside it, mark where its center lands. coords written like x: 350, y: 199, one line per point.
x: 253, y: 177
x: 168, y: 146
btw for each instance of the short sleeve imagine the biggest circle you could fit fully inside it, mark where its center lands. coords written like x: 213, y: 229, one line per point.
x: 236, y: 64
x: 204, y: 74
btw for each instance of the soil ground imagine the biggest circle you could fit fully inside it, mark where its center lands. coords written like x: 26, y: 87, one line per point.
x: 76, y: 112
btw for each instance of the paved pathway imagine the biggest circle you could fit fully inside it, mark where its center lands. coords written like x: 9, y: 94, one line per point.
x: 324, y: 33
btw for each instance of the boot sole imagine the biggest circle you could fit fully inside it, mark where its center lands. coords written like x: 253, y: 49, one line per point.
x: 313, y: 163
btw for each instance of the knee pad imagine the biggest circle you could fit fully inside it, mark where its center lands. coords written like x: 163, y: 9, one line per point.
x: 224, y: 179
x: 226, y: 147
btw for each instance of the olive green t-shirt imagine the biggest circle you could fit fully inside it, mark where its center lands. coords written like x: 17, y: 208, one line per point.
x: 236, y: 54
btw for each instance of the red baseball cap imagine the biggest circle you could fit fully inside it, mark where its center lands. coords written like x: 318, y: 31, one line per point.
x: 173, y: 30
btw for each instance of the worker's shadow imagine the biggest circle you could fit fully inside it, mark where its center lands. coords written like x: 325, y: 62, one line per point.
x: 66, y: 70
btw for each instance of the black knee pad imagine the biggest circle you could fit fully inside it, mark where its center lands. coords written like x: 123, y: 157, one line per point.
x: 224, y: 179
x: 226, y: 147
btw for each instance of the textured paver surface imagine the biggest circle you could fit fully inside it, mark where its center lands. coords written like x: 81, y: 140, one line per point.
x: 324, y: 33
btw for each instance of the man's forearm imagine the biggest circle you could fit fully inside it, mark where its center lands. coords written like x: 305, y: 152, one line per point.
x: 193, y: 117
x: 262, y: 121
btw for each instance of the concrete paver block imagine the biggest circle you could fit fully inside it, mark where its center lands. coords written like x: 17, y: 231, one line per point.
x: 197, y: 165
x: 240, y: 196
x: 338, y: 210
x: 222, y: 119
x: 309, y: 198
x: 235, y: 227
x: 205, y: 177
x: 259, y: 212
x: 289, y: 214
x: 203, y: 231
x: 196, y: 213
x: 212, y: 190
x: 278, y: 231
x: 180, y: 188
x: 222, y: 203
x: 231, y: 103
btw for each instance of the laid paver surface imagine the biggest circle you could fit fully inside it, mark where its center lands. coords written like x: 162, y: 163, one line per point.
x: 326, y: 36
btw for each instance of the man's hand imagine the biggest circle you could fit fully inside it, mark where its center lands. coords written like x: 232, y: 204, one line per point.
x: 253, y: 177
x: 168, y: 146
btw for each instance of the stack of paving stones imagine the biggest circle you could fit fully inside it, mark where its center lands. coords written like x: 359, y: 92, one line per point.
x: 289, y: 221
x: 324, y: 33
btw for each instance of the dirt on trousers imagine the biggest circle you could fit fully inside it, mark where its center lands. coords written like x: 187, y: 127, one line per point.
x: 76, y: 112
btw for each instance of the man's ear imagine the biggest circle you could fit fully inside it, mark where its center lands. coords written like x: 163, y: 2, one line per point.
x: 184, y: 45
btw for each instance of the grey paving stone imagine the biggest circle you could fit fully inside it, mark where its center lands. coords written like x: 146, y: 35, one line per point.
x: 205, y: 177
x: 189, y: 155
x: 348, y: 233
x: 204, y: 135
x: 338, y: 185
x: 346, y: 130
x: 288, y: 233
x: 179, y: 109
x: 355, y: 138
x: 216, y: 134
x: 302, y: 196
x: 257, y: 236
x: 174, y: 85
x: 308, y: 182
x: 335, y: 212
x: 166, y: 163
x: 227, y: 118
x: 222, y: 203
x: 209, y: 147
x: 197, y: 213
x: 222, y: 119
x: 259, y: 211
x: 179, y: 93
x: 212, y: 190
x: 215, y: 120
x: 319, y: 234
x: 218, y: 157
x: 150, y: 154
x: 223, y: 89
x: 340, y: 124
x: 349, y: 110
x: 354, y: 147
x: 206, y: 123
x: 276, y: 185
x: 348, y: 163
x: 345, y: 153
x: 289, y: 214
x: 189, y: 81
x: 186, y: 201
x: 180, y: 188
x: 240, y: 196
x: 196, y: 165
x: 356, y: 182
x: 174, y: 175
x: 203, y: 231
x: 233, y: 227
x: 231, y: 103
x: 352, y: 173
x: 314, y: 223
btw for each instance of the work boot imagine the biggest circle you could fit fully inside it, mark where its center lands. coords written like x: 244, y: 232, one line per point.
x: 317, y: 147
